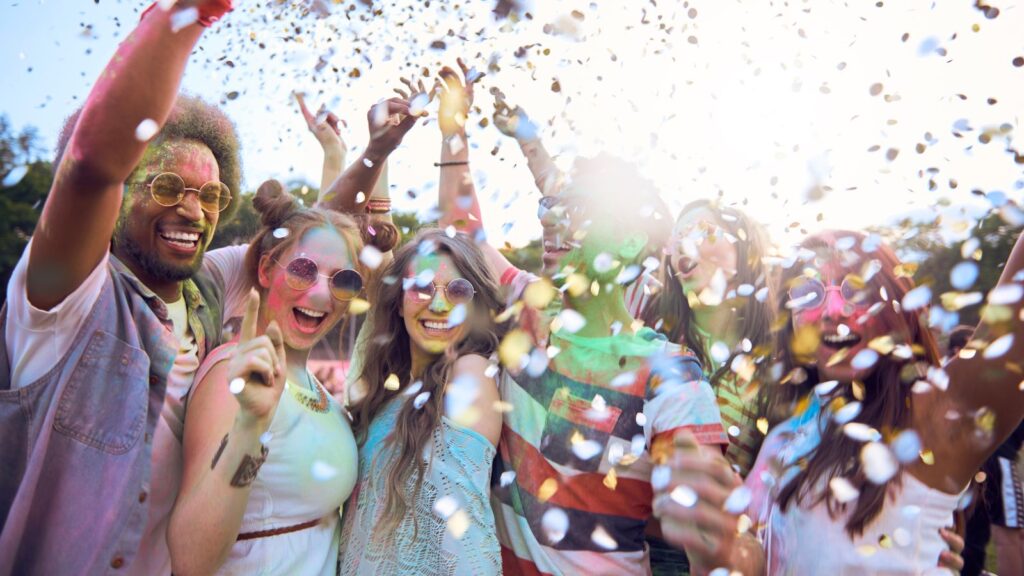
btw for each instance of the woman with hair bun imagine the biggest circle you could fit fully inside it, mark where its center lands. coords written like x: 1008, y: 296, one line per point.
x: 255, y: 407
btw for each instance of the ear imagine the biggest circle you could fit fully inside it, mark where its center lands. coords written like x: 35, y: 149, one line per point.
x: 632, y: 246
x: 263, y: 272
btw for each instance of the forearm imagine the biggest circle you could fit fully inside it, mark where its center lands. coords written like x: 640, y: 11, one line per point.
x: 334, y: 160
x: 457, y: 198
x: 361, y: 176
x: 382, y: 194
x: 208, y: 515
x: 546, y: 175
x: 140, y: 82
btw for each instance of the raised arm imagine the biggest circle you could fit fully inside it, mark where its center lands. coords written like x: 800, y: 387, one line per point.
x: 514, y: 123
x: 222, y: 447
x: 389, y: 120
x: 984, y: 388
x: 457, y: 197
x: 324, y: 127
x: 140, y: 83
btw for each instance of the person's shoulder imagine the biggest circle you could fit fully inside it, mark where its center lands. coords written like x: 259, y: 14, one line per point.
x: 471, y: 364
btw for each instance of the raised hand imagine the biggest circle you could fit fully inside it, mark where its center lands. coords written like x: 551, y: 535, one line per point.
x: 389, y: 121
x: 691, y: 505
x: 417, y: 96
x: 324, y: 125
x: 456, y: 97
x: 256, y: 373
x: 512, y: 122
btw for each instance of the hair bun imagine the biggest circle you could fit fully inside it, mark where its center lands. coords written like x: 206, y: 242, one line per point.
x: 273, y: 203
x: 385, y: 235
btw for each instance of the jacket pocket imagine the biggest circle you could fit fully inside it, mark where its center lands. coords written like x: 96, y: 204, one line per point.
x: 105, y: 401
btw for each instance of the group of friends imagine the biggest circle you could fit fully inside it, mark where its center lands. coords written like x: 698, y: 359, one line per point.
x: 663, y: 396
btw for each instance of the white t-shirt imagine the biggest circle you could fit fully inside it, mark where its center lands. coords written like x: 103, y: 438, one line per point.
x: 38, y: 339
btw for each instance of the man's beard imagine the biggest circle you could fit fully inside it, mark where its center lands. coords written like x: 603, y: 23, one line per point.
x: 151, y: 265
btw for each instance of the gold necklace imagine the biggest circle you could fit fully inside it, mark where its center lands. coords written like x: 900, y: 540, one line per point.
x: 317, y: 405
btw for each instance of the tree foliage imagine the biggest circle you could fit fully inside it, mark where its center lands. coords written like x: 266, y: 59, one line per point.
x: 22, y: 201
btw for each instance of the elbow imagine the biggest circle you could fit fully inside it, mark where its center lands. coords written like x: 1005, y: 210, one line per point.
x: 191, y: 553
x: 83, y: 172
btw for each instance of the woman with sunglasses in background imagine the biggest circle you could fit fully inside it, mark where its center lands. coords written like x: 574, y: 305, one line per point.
x: 256, y: 408
x: 425, y: 416
x: 871, y: 464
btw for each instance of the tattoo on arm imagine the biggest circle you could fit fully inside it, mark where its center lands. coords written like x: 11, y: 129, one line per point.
x: 216, y: 457
x: 248, y: 468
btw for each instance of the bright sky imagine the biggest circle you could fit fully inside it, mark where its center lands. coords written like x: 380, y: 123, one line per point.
x: 759, y: 102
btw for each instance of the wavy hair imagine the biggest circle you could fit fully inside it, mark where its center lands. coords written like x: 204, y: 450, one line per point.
x: 886, y: 402
x: 388, y: 351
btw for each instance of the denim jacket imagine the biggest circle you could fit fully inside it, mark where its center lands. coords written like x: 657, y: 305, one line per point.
x: 76, y: 444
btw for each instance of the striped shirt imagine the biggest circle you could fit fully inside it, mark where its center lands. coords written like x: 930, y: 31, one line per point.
x: 572, y: 485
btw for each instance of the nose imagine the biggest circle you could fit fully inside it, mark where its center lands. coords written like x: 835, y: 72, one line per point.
x: 439, y: 303
x: 835, y: 305
x: 190, y: 208
x: 319, y: 293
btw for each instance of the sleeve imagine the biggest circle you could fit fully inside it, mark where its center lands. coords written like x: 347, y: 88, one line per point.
x: 680, y: 398
x: 37, y: 339
x: 226, y: 267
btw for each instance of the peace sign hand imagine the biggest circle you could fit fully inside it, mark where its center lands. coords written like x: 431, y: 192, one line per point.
x: 256, y: 373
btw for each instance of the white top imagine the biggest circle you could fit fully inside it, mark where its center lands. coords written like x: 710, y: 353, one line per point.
x: 904, y: 539
x: 38, y: 339
x: 309, y: 473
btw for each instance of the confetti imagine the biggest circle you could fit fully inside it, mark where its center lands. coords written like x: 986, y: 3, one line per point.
x: 371, y: 257
x: 684, y: 496
x: 738, y: 500
x: 842, y: 490
x: 603, y: 539
x: 322, y: 471
x: 420, y: 400
x: 391, y: 382
x: 555, y: 524
x: 146, y: 130
x: 236, y: 386
x: 878, y: 463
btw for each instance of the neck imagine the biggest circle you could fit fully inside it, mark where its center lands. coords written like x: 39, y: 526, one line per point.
x: 602, y: 311
x: 718, y: 321
x: 420, y: 361
x: 166, y: 290
x: 295, y: 365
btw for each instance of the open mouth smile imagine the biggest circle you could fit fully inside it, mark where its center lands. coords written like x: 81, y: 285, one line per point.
x: 307, y: 319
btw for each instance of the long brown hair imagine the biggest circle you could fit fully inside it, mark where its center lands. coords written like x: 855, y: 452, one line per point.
x: 388, y: 352
x: 669, y: 310
x: 886, y: 401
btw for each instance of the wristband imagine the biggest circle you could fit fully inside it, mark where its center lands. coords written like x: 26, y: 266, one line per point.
x: 452, y: 163
x: 378, y: 205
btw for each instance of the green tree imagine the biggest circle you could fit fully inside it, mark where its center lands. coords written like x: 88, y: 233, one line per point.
x: 22, y: 200
x: 922, y: 242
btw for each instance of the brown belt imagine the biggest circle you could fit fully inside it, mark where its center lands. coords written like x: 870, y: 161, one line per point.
x: 279, y: 531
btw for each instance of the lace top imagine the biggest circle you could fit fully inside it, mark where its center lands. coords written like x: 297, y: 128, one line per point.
x: 455, y: 536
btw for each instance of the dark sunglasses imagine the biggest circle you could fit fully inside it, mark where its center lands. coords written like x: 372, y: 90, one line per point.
x: 168, y: 189
x: 458, y: 291
x: 809, y: 293
x: 302, y: 273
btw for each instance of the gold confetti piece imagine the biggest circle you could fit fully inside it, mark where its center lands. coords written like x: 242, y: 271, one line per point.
x: 509, y: 312
x: 391, y: 383
x: 762, y: 425
x: 858, y: 390
x: 905, y: 270
x: 882, y: 344
x: 866, y: 550
x: 501, y: 407
x: 980, y: 477
x: 539, y: 294
x: 514, y: 347
x: 928, y: 457
x: 595, y: 288
x: 611, y: 480
x: 547, y: 489
x: 985, y: 419
x: 576, y: 284
x: 468, y: 417
x: 805, y: 342
x: 838, y: 357
x: 885, y: 541
x: 357, y: 306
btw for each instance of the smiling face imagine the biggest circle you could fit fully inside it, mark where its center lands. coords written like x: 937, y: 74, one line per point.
x: 701, y: 248
x: 165, y: 244
x: 305, y: 316
x: 847, y: 318
x: 427, y: 319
